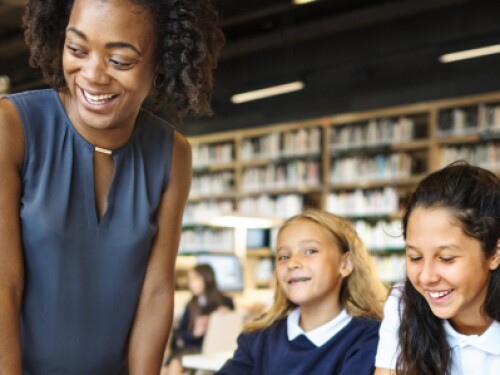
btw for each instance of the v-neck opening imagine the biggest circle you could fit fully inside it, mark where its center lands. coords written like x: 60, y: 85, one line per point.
x: 91, y: 202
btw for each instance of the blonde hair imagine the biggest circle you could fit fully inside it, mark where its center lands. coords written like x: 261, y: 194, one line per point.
x: 362, y: 293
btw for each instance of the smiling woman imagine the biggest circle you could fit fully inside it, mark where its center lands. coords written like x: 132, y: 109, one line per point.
x: 450, y: 303
x: 93, y: 185
x: 109, y: 66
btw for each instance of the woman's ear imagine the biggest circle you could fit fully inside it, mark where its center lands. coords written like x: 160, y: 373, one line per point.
x: 494, y: 261
x: 346, y: 266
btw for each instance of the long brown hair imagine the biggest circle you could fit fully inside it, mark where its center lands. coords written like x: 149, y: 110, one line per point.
x: 472, y: 195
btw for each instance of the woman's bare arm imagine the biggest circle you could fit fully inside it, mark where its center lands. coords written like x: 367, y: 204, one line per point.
x: 11, y: 258
x: 153, y: 318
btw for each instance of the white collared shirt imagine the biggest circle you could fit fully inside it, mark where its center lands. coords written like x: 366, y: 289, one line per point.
x: 474, y: 354
x: 320, y: 335
x: 470, y: 354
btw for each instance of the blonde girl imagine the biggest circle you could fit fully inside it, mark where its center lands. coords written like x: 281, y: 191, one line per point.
x: 327, y: 306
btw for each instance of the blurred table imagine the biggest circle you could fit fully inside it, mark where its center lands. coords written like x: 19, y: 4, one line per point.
x: 210, y: 362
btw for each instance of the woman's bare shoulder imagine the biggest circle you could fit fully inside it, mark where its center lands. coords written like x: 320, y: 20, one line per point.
x: 11, y: 134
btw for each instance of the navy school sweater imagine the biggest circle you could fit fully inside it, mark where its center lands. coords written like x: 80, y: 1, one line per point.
x: 350, y: 352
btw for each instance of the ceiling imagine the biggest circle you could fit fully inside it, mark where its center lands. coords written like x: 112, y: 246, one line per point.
x: 351, y: 54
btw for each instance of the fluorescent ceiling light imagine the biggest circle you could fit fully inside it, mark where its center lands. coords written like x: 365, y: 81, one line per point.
x: 470, y: 53
x: 299, y: 2
x: 267, y: 92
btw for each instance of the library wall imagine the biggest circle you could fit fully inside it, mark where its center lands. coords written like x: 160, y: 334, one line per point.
x: 359, y: 165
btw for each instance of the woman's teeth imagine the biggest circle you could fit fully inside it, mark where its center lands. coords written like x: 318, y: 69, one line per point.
x: 98, y: 99
x: 439, y: 294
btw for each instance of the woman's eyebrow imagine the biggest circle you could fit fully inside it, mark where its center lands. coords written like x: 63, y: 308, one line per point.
x: 108, y: 45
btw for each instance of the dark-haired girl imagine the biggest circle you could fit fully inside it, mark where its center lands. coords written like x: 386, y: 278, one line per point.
x: 446, y: 317
x: 188, y: 337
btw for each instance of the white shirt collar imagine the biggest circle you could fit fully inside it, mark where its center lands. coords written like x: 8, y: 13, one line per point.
x: 487, y: 342
x: 320, y: 335
x: 202, y: 300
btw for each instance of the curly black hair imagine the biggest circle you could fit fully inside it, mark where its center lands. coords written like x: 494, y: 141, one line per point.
x: 188, y: 49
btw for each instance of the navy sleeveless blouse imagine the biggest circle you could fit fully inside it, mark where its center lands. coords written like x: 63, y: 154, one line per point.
x: 83, y: 275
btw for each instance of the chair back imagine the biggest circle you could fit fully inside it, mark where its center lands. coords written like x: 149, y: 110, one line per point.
x: 222, y: 331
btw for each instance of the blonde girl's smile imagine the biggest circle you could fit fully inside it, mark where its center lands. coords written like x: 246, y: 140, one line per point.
x: 297, y: 280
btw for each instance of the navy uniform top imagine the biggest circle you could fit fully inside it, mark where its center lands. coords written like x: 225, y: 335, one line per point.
x: 83, y: 275
x: 351, y: 351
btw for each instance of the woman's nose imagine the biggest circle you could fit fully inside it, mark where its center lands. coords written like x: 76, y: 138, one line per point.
x: 95, y: 71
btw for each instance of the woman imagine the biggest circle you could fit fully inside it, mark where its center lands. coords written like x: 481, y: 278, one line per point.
x: 93, y: 187
x: 188, y: 337
x: 449, y: 307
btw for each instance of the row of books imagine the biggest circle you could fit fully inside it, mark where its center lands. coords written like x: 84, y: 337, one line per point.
x: 297, y: 173
x: 366, y: 168
x: 469, y: 120
x: 212, y: 183
x: 486, y: 155
x: 201, y: 211
x: 300, y: 142
x: 202, y: 239
x: 391, y: 268
x: 206, y: 154
x: 281, y: 206
x: 360, y: 202
x: 381, y: 235
x: 373, y: 132
x: 488, y: 118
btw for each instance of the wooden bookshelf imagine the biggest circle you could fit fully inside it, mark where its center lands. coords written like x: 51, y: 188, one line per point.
x: 281, y: 169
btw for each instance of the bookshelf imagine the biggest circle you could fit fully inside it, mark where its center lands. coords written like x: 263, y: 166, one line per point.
x: 361, y: 165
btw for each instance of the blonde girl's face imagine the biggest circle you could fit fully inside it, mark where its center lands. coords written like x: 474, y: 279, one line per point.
x: 447, y: 267
x: 310, y: 266
x: 196, y: 283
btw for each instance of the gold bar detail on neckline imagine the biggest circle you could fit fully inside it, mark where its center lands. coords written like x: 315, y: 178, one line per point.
x: 103, y: 150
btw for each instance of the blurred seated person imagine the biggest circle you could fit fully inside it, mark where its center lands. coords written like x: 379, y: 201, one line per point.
x: 187, y: 338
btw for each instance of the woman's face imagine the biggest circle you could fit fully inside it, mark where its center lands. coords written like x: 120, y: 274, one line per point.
x: 447, y: 267
x: 196, y: 283
x: 310, y: 266
x: 108, y: 63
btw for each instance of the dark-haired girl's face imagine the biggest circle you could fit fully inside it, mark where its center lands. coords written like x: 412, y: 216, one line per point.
x: 448, y: 268
x: 196, y: 283
x: 109, y: 65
